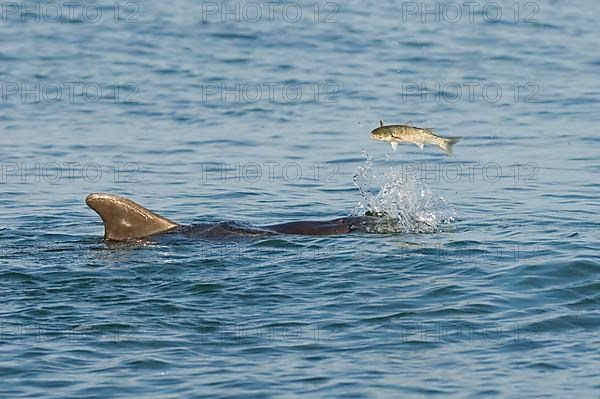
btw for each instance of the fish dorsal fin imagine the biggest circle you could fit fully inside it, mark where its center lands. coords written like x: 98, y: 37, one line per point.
x: 409, y: 122
x: 124, y: 219
x: 380, y: 123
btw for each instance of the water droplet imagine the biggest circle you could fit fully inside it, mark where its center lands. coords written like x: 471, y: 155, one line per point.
x: 409, y: 205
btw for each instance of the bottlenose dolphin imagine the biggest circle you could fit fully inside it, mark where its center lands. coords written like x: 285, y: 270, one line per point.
x: 126, y: 220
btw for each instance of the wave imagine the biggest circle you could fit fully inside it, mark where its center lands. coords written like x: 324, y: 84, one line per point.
x: 405, y: 204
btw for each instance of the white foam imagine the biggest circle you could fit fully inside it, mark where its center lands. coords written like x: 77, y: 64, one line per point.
x: 408, y: 205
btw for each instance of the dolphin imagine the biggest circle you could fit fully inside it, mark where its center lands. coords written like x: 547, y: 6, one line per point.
x: 126, y: 220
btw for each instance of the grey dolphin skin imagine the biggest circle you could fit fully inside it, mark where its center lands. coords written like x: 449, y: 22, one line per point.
x: 125, y: 220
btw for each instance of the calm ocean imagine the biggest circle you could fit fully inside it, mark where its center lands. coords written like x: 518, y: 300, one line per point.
x: 256, y: 112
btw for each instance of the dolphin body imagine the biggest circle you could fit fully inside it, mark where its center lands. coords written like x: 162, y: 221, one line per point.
x: 126, y: 220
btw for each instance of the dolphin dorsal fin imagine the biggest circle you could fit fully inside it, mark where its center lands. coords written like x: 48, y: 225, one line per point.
x: 124, y: 219
x: 380, y: 123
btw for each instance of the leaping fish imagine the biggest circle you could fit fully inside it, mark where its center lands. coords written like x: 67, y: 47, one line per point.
x: 395, y: 134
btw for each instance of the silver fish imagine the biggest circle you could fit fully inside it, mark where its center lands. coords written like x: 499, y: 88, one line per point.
x: 395, y: 134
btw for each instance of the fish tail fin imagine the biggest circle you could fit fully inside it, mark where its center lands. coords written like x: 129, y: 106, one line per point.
x: 448, y: 144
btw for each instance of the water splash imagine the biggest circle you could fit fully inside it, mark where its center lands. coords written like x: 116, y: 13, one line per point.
x: 405, y: 204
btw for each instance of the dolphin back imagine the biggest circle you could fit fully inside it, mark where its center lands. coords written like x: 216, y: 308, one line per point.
x: 124, y: 219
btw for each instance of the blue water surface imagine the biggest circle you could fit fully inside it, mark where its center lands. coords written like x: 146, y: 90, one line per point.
x: 202, y: 112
